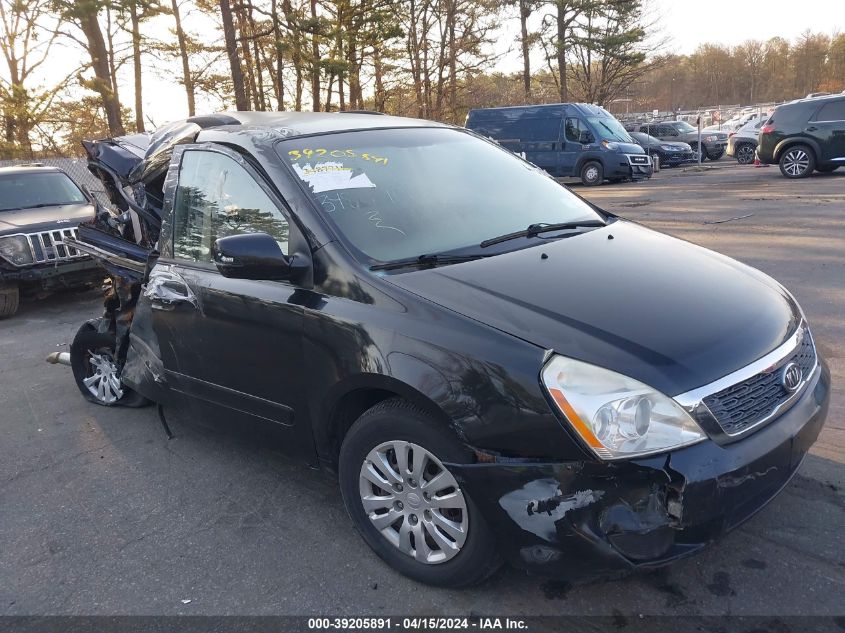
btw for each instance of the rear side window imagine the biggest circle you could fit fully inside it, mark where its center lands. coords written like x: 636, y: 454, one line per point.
x: 217, y: 197
x: 833, y: 111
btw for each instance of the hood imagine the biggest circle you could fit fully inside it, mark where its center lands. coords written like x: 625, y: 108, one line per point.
x: 45, y: 218
x: 629, y: 148
x: 666, y: 312
x: 684, y: 147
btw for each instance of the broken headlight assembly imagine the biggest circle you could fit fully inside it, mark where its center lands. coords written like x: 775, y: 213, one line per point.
x: 616, y: 416
x: 15, y: 249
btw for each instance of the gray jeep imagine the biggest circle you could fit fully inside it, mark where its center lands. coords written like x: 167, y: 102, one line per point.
x: 713, y: 144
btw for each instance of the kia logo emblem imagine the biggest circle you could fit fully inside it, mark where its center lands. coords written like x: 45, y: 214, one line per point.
x: 791, y: 377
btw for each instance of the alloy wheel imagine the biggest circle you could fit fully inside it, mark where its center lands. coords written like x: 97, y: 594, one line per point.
x: 103, y: 381
x: 591, y: 174
x: 414, y: 501
x: 745, y: 155
x: 796, y: 162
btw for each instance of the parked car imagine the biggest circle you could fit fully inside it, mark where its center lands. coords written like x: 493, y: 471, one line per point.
x: 39, y: 208
x: 805, y: 135
x: 742, y: 145
x: 670, y: 154
x: 493, y: 366
x: 576, y: 140
x: 713, y: 143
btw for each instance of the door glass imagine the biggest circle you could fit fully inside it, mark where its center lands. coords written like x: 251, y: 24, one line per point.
x: 573, y: 130
x: 216, y: 197
x: 834, y: 111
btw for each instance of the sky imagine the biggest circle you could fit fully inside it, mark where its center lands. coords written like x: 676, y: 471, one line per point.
x: 684, y: 23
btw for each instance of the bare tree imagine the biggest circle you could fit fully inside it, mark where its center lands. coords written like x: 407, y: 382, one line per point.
x: 85, y: 17
x: 230, y: 36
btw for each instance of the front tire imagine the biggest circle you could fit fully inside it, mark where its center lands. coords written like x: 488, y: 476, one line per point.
x: 10, y: 297
x: 797, y: 161
x: 405, y: 502
x: 592, y: 174
x: 95, y: 371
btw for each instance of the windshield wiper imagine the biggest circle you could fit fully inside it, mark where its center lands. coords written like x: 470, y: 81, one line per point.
x: 542, y: 227
x: 425, y: 260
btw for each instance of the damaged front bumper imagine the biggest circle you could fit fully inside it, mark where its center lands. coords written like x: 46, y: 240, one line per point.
x: 598, y: 519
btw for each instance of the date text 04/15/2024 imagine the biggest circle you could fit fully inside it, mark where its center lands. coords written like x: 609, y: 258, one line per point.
x: 418, y: 623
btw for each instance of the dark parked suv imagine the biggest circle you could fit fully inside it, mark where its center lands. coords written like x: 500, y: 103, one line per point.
x: 805, y: 135
x: 40, y: 207
x: 494, y: 367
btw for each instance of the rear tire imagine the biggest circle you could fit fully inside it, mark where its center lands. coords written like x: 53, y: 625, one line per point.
x: 797, y: 161
x: 95, y: 372
x: 744, y: 153
x: 10, y: 297
x: 592, y: 174
x: 393, y: 432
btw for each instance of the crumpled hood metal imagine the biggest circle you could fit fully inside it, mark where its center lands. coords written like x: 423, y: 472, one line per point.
x: 45, y: 218
x: 666, y: 312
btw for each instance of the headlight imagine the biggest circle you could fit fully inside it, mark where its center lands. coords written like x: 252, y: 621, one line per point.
x: 616, y: 416
x: 609, y: 145
x: 710, y: 138
x: 15, y: 248
x: 667, y: 148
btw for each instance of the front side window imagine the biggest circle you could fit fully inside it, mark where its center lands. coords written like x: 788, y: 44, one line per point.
x: 217, y: 197
x: 399, y: 193
x: 573, y: 130
x: 25, y: 190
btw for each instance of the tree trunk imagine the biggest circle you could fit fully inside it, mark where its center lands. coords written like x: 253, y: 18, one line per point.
x: 241, y: 102
x: 561, y: 48
x: 524, y: 13
x: 136, y: 66
x: 112, y: 65
x: 453, y: 61
x: 315, y: 62
x: 379, y: 97
x: 103, y: 80
x: 183, y: 53
x: 277, y: 50
x: 244, y: 32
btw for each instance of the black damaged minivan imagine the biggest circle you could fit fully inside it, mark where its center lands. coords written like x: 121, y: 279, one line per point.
x: 494, y: 367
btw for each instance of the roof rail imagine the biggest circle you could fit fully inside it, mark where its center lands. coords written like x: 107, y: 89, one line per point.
x: 360, y: 112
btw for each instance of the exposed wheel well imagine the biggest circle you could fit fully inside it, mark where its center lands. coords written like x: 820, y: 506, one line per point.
x: 790, y: 144
x: 352, y: 405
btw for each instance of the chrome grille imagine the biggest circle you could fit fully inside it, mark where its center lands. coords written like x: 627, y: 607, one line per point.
x: 47, y: 246
x: 746, y: 403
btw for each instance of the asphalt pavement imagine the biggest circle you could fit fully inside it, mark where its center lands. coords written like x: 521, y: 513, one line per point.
x: 101, y: 514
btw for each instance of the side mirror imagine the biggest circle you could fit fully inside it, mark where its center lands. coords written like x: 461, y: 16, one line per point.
x: 252, y: 256
x: 586, y: 137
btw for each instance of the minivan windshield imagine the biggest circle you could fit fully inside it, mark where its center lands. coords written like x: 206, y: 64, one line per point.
x: 25, y: 190
x: 609, y: 129
x: 400, y: 193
